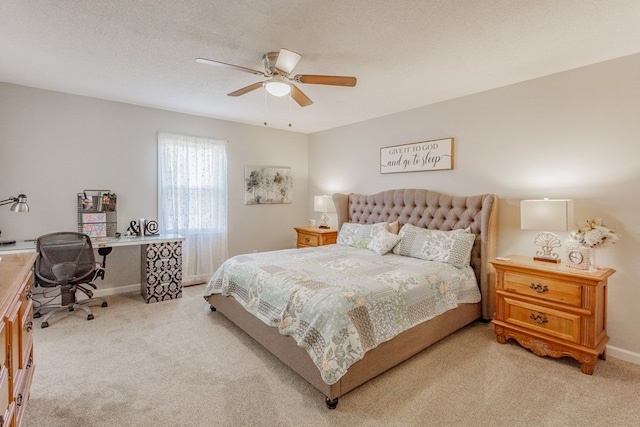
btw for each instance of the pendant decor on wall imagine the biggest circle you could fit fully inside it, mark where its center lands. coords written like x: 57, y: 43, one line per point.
x: 417, y: 157
x: 267, y: 185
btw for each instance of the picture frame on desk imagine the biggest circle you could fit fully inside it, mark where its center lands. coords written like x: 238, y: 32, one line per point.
x: 85, y: 202
x: 107, y: 201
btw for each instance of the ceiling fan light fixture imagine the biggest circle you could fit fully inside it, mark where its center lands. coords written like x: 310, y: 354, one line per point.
x: 277, y: 87
x: 279, y: 82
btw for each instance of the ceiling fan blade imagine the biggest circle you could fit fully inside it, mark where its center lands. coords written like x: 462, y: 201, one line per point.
x: 287, y: 60
x: 326, y: 80
x: 298, y: 96
x: 246, y: 89
x: 225, y: 65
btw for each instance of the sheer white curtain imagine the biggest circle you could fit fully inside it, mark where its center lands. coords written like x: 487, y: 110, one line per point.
x: 192, y: 193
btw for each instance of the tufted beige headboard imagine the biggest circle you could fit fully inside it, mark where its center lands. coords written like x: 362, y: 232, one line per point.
x: 432, y: 210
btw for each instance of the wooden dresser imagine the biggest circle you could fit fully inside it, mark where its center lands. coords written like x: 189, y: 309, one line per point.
x: 16, y: 336
x: 315, y: 236
x: 551, y: 309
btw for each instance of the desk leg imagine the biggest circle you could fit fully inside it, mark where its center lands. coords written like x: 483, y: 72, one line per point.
x: 161, y: 275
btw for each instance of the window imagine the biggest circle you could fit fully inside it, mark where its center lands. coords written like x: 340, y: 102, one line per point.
x: 192, y: 192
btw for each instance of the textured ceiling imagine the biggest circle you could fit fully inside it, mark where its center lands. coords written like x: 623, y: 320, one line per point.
x: 405, y: 54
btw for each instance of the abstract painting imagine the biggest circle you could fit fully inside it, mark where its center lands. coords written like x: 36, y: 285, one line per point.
x: 267, y: 185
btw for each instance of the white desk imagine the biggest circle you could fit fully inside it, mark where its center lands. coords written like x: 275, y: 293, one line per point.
x: 19, y: 247
x: 160, y: 261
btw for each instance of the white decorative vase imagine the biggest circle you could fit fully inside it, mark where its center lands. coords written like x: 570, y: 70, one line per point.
x: 592, y: 260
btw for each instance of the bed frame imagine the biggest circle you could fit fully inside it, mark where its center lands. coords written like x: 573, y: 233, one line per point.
x: 422, y: 208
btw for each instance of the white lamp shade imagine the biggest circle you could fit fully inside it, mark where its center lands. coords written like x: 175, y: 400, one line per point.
x: 546, y: 214
x: 323, y: 204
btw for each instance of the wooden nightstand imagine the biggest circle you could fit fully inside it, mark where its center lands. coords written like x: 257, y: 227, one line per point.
x: 314, y: 236
x: 551, y: 309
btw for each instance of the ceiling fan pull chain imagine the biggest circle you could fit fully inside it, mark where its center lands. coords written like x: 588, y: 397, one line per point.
x: 265, y: 107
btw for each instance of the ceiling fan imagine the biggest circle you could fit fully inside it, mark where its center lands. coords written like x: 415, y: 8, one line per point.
x: 277, y: 69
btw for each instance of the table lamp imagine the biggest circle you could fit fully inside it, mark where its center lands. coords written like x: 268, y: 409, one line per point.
x: 546, y: 215
x: 19, y: 205
x: 323, y: 204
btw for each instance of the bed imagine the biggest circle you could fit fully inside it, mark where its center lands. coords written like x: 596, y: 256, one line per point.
x: 266, y: 313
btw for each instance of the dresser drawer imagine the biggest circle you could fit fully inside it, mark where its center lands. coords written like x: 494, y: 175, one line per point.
x: 4, y: 395
x: 26, y: 335
x: 22, y: 393
x: 544, y: 288
x: 306, y: 239
x: 554, y: 323
x: 3, y: 344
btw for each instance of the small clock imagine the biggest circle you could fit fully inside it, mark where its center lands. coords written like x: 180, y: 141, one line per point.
x: 578, y: 257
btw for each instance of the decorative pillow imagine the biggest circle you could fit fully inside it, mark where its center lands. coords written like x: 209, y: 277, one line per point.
x: 359, y: 235
x: 394, y: 227
x: 451, y: 247
x: 383, y: 242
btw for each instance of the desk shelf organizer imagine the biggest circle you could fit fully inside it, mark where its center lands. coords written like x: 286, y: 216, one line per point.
x: 97, y: 213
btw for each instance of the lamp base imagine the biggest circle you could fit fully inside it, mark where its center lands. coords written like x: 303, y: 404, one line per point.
x: 553, y: 260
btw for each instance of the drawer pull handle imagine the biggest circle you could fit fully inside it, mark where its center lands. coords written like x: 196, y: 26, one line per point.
x: 19, y: 399
x: 29, y: 325
x: 29, y: 293
x: 539, y: 288
x: 539, y: 318
x: 306, y: 239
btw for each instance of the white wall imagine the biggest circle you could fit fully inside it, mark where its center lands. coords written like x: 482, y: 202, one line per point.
x: 570, y: 135
x: 54, y: 145
x: 573, y: 134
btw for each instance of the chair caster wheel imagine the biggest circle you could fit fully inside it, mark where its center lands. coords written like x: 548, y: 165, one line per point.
x: 37, y: 315
x: 104, y: 304
x: 44, y: 325
x: 90, y: 317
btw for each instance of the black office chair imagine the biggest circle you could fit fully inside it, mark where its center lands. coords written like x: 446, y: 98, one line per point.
x: 66, y: 260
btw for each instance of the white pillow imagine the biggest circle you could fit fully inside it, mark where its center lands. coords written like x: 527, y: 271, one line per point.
x: 359, y: 235
x: 450, y: 247
x: 383, y: 242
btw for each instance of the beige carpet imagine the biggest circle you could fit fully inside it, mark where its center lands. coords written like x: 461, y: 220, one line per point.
x: 175, y: 363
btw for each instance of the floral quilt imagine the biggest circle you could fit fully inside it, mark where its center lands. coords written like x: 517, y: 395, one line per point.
x: 337, y: 301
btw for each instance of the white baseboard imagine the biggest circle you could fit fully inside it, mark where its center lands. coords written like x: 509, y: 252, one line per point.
x: 104, y: 292
x: 40, y: 294
x: 623, y: 354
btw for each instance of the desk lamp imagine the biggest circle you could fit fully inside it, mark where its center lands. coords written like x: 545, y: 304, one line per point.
x: 323, y: 204
x: 546, y: 215
x: 19, y: 205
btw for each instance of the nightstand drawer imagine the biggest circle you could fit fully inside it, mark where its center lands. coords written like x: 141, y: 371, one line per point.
x: 543, y: 288
x: 308, y: 239
x: 558, y: 324
x: 312, y: 236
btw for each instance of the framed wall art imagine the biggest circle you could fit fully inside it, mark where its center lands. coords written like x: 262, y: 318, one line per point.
x: 267, y: 185
x: 417, y: 157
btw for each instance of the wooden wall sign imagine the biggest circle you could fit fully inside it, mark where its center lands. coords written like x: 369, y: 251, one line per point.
x: 417, y: 157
